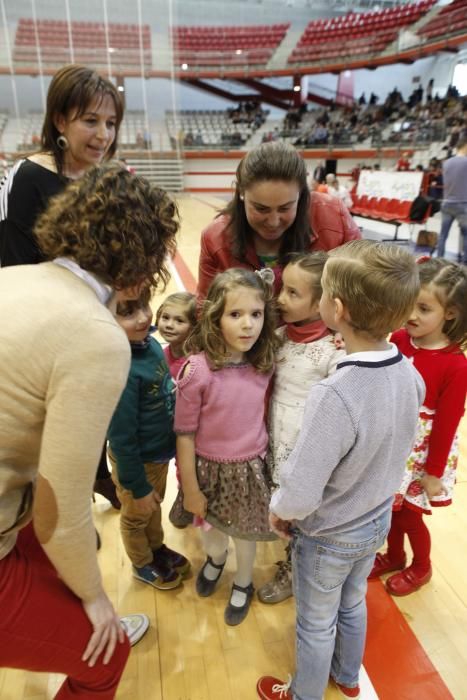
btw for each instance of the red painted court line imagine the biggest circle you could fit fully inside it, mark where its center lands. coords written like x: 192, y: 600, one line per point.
x: 186, y: 276
x: 395, y: 661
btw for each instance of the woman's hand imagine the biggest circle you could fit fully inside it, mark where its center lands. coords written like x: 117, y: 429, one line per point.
x: 147, y: 504
x: 107, y: 630
x: 195, y: 502
x: 432, y: 486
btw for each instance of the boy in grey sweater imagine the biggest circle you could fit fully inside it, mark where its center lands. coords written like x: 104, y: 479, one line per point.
x: 336, y: 490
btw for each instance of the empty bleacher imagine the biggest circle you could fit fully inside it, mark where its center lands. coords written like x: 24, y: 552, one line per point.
x: 206, y: 128
x: 87, y: 42
x: 355, y: 34
x: 232, y: 46
x: 451, y: 19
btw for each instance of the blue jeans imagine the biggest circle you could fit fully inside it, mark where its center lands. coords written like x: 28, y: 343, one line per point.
x: 330, y: 581
x: 449, y: 212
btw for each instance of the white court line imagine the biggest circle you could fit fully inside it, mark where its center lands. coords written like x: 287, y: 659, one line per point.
x: 367, y: 691
x: 176, y: 276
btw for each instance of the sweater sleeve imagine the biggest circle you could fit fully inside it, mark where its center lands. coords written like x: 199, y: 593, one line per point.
x: 85, y: 385
x: 192, y: 381
x: 123, y: 440
x: 449, y: 411
x: 350, y: 228
x: 208, y: 264
x: 326, y: 435
x: 22, y: 202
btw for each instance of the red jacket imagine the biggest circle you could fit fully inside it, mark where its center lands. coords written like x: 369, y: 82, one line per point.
x: 331, y: 226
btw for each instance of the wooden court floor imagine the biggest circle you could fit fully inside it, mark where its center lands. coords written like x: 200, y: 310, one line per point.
x: 416, y: 647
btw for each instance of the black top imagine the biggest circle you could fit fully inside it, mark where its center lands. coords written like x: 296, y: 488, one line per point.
x: 24, y: 194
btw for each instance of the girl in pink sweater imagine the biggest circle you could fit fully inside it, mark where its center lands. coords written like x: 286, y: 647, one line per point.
x: 221, y: 433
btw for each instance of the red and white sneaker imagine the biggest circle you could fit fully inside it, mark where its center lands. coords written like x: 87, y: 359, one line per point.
x: 346, y: 692
x: 269, y: 688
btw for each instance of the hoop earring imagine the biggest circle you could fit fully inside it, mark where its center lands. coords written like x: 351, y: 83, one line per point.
x: 62, y: 143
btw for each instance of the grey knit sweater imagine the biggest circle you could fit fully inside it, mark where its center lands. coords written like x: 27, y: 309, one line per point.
x: 358, y: 429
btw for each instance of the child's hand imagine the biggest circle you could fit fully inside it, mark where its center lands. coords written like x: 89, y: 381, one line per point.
x: 339, y: 341
x: 195, y: 502
x: 432, y: 486
x: 147, y: 504
x: 280, y: 527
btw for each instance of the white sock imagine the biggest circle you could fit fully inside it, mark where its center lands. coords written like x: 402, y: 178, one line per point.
x: 246, y: 552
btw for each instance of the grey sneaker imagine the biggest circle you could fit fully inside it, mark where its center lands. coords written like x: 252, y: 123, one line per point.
x: 280, y: 587
x: 135, y: 627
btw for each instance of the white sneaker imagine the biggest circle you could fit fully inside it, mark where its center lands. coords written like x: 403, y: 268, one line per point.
x: 135, y: 627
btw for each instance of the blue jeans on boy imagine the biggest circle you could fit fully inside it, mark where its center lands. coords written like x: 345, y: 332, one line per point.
x: 449, y: 212
x: 330, y: 581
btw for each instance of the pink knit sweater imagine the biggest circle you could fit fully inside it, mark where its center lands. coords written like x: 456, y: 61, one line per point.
x: 225, y: 408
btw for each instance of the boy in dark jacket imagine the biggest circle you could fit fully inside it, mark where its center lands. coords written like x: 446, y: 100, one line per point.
x: 141, y: 444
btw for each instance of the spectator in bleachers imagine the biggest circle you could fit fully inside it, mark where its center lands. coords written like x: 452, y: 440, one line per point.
x: 403, y: 163
x: 189, y: 140
x: 319, y: 135
x: 429, y: 90
x: 271, y: 215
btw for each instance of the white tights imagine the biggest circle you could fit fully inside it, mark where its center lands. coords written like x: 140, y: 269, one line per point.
x: 215, y: 545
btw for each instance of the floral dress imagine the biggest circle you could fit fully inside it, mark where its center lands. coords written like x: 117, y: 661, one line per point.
x: 436, y: 446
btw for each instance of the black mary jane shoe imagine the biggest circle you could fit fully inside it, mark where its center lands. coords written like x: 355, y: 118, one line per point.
x: 204, y: 586
x: 235, y: 614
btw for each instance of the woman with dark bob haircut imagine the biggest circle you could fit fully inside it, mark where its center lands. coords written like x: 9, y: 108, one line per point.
x: 64, y: 362
x: 271, y: 215
x: 83, y: 115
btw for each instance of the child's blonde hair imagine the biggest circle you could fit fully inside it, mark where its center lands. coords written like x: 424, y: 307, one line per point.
x: 184, y: 299
x: 449, y: 282
x: 313, y: 263
x: 207, y: 335
x: 376, y: 282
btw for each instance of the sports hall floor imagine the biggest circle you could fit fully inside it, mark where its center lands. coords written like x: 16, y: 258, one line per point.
x: 416, y: 647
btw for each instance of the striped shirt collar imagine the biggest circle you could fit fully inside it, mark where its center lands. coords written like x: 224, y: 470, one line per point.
x: 373, y: 358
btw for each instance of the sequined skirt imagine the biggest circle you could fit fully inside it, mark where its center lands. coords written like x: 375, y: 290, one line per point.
x: 238, y: 495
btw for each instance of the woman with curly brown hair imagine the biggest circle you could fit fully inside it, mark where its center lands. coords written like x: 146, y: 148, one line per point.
x: 63, y: 364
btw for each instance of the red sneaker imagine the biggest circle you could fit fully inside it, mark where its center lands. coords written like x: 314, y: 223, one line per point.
x: 383, y: 565
x: 406, y: 582
x: 269, y: 688
x: 347, y: 692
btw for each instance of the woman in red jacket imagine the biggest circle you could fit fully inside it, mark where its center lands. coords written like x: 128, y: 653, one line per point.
x: 271, y: 215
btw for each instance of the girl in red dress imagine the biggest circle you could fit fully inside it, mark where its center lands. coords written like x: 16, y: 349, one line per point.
x: 434, y: 338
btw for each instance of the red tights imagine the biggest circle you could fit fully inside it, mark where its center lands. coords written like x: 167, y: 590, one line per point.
x: 410, y: 522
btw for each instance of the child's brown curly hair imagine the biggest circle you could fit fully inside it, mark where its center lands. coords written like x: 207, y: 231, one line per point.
x: 114, y: 224
x: 207, y: 334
